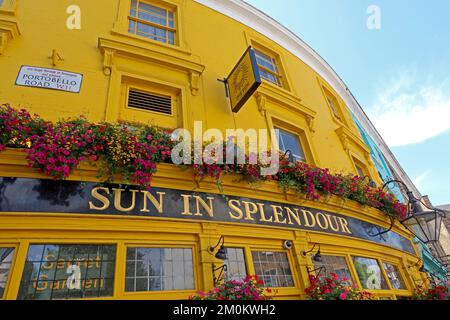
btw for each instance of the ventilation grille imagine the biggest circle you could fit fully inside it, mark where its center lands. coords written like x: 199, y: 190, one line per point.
x: 150, y: 101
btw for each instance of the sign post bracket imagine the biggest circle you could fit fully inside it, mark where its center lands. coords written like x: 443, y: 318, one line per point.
x: 225, y: 83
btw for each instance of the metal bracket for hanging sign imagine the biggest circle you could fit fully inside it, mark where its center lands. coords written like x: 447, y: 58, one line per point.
x: 225, y: 83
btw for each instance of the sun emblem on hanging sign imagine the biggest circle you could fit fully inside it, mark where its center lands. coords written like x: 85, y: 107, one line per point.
x: 243, y: 80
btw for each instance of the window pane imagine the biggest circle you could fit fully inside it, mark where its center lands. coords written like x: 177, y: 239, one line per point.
x: 333, y: 264
x: 288, y: 141
x: 6, y: 255
x: 370, y: 274
x: 360, y: 171
x: 159, y: 269
x: 266, y: 62
x: 235, y: 263
x: 394, y: 276
x: 68, y: 271
x: 273, y: 268
x: 152, y: 15
x: 333, y: 107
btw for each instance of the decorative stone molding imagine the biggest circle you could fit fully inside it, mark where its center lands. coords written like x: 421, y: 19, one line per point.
x: 108, y: 62
x: 146, y: 53
x: 311, y: 123
x: 194, y: 80
x: 350, y: 140
x: 261, y: 100
x: 345, y: 142
x: 9, y: 27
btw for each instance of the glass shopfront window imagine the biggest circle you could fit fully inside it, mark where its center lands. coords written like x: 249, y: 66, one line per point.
x: 394, y: 276
x: 370, y: 274
x: 333, y: 264
x: 235, y: 263
x: 68, y: 271
x: 159, y: 269
x: 6, y: 256
x: 273, y: 268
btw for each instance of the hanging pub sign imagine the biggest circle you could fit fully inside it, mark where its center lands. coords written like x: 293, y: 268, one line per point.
x: 49, y: 79
x: 244, y: 80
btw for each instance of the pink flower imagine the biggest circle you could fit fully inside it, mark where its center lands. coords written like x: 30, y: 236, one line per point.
x: 343, y: 296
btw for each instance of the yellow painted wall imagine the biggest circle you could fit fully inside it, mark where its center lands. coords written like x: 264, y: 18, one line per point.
x: 210, y: 44
x: 210, y: 41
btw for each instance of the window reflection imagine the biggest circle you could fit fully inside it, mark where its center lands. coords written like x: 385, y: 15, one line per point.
x: 235, y: 263
x: 159, y: 269
x: 6, y: 255
x: 273, y: 268
x: 394, y: 276
x: 334, y: 264
x: 369, y: 273
x: 68, y: 271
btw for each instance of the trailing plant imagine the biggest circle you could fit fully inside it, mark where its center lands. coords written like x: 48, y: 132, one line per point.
x: 435, y: 292
x: 18, y: 126
x: 134, y: 151
x: 252, y: 288
x: 334, y: 288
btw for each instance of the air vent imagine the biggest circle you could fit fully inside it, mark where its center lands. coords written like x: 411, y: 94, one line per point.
x: 150, y: 101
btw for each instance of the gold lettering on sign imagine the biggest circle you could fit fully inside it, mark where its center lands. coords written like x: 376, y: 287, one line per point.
x: 248, y: 211
x: 278, y: 213
x: 344, y: 225
x: 186, y: 205
x: 234, y: 205
x: 293, y: 214
x: 263, y: 214
x: 208, y: 208
x: 333, y: 227
x: 156, y: 204
x: 118, y: 200
x: 322, y: 221
x: 310, y: 221
x: 104, y: 200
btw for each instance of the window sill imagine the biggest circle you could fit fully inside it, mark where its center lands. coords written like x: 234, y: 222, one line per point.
x: 286, y: 98
x: 348, y: 137
x: 9, y: 7
x: 149, y: 53
x: 339, y: 122
x: 149, y: 43
x: 9, y: 27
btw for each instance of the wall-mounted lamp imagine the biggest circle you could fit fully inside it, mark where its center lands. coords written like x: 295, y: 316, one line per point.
x: 222, y: 252
x: 425, y: 224
x: 317, y: 257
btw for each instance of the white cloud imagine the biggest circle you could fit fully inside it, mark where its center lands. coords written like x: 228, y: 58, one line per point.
x: 407, y: 112
x: 418, y: 180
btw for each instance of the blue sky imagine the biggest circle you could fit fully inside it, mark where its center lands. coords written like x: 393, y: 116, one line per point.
x: 400, y: 73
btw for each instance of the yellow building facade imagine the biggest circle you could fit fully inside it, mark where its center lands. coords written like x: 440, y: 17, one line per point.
x: 158, y: 62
